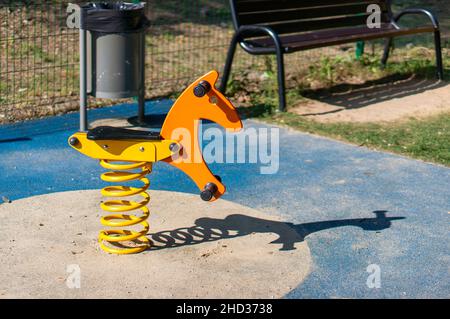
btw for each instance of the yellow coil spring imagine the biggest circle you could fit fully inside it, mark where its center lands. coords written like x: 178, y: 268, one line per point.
x: 120, y: 173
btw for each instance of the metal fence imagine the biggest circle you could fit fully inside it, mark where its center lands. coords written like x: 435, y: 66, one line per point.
x: 39, y: 54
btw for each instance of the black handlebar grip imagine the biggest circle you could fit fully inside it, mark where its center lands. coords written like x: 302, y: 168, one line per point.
x: 202, y: 89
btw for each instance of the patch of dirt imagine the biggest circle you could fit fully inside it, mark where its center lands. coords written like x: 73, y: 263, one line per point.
x: 377, y: 102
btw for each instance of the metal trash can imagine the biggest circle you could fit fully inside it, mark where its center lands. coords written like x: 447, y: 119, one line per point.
x: 115, y: 48
x: 112, y: 51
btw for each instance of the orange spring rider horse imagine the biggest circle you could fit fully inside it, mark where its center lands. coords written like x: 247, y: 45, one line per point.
x: 130, y: 154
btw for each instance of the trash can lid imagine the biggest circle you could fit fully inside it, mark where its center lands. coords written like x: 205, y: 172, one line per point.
x: 113, y: 17
x: 120, y: 5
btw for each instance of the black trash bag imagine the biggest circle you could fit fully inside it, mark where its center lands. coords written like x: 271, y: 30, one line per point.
x: 113, y: 17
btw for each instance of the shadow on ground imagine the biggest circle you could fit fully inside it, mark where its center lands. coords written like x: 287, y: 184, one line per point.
x: 15, y: 140
x: 354, y: 96
x: 347, y: 96
x: 210, y: 229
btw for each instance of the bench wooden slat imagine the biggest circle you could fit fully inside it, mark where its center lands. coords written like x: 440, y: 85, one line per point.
x: 312, y: 25
x: 300, y: 14
x: 243, y: 6
x: 337, y: 36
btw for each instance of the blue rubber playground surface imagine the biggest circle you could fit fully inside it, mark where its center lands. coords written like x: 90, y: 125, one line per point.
x: 353, y: 206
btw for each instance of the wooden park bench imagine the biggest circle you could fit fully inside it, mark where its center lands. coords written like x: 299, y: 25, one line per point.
x: 285, y: 26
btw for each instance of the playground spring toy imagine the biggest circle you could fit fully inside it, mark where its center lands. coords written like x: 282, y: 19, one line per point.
x: 129, y: 156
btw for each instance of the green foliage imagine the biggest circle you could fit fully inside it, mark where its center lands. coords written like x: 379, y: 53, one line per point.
x: 35, y: 51
x: 426, y: 139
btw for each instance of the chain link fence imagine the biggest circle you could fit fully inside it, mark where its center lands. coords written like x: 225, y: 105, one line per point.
x: 39, y: 54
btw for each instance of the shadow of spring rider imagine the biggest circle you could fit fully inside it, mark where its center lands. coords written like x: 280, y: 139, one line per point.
x: 129, y: 155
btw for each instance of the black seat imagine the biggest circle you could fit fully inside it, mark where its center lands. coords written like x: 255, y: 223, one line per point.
x: 117, y: 133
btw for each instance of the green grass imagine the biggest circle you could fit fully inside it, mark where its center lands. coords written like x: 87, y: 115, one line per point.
x: 3, y: 90
x: 339, y: 70
x: 37, y: 52
x: 418, y: 60
x: 427, y: 139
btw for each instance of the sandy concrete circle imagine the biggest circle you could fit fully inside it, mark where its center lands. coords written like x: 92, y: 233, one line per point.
x: 201, y: 250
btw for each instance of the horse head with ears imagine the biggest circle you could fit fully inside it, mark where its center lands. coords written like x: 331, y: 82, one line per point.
x: 200, y: 101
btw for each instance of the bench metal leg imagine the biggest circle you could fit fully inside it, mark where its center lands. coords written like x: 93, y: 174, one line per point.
x: 280, y: 66
x: 281, y: 82
x: 387, y: 50
x: 228, y: 64
x: 437, y: 44
x: 438, y: 49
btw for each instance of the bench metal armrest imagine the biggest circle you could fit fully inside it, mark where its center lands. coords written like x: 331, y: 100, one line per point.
x: 430, y: 15
x: 248, y: 29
